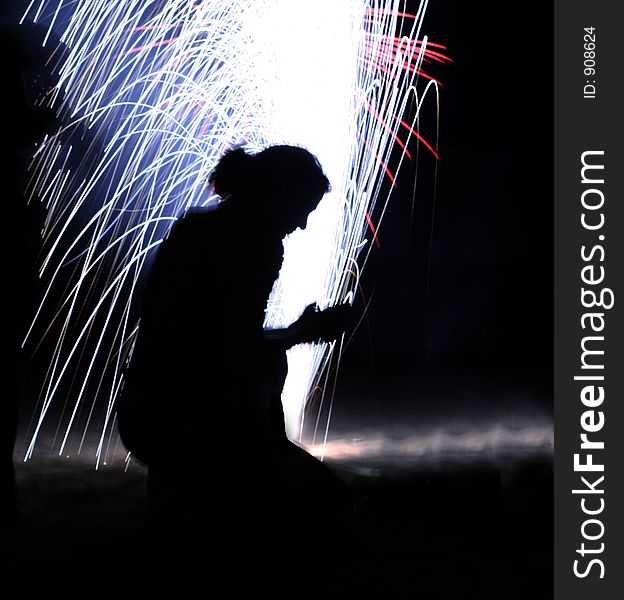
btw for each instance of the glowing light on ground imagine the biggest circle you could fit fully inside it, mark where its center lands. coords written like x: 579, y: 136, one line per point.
x: 436, y: 445
x: 150, y: 95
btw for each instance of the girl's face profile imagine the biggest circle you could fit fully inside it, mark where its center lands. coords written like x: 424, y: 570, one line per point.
x: 300, y: 209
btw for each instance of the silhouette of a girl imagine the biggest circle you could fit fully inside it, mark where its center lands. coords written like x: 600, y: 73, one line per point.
x: 203, y: 386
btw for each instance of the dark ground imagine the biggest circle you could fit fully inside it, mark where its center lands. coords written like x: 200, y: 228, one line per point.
x: 473, y: 528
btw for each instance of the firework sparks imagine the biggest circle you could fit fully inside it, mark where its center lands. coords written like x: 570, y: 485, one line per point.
x: 149, y: 96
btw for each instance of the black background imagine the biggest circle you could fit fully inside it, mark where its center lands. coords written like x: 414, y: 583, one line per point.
x: 462, y: 283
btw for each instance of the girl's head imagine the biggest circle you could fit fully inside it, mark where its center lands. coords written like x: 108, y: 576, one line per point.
x: 284, y: 182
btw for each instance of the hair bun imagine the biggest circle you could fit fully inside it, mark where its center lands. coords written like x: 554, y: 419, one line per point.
x: 231, y: 173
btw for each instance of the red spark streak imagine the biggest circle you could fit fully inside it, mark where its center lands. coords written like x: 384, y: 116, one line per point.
x: 386, y: 70
x: 431, y: 53
x: 152, y: 45
x: 204, y: 128
x: 408, y: 46
x: 373, y: 230
x: 152, y: 27
x: 418, y: 42
x: 388, y: 11
x: 398, y: 140
x: 421, y: 138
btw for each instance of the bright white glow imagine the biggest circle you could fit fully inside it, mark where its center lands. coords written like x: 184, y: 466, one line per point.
x: 151, y: 94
